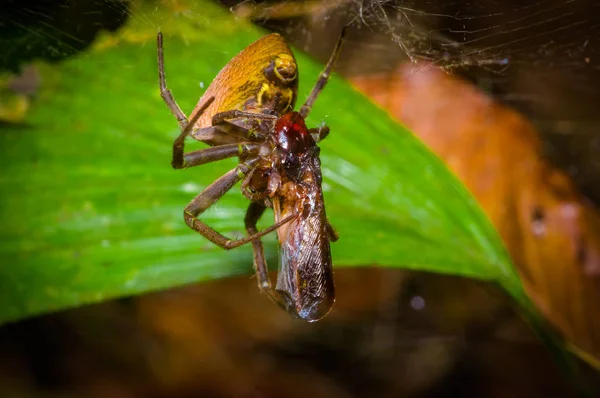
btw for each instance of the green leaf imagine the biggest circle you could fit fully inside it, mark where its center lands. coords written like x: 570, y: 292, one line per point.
x: 92, y: 209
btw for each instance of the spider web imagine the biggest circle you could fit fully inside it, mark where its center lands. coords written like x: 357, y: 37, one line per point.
x: 541, y: 57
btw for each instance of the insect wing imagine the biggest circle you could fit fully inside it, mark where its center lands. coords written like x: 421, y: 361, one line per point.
x: 305, y: 275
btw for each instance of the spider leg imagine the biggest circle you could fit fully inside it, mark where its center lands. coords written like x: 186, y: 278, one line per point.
x: 202, y: 156
x: 253, y: 214
x: 225, y: 132
x: 214, y: 192
x: 234, y: 114
x: 165, y: 93
x: 178, y: 145
x: 212, y: 135
x: 217, y: 135
x: 323, y: 77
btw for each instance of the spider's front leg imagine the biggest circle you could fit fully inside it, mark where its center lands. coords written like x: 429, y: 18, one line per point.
x: 236, y: 114
x: 214, y: 192
x: 253, y: 214
x: 178, y: 160
x: 165, y: 93
x: 184, y: 160
x: 324, y: 76
x: 225, y: 130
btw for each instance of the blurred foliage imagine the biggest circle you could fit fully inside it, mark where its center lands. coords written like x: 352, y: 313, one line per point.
x: 53, y: 30
x: 92, y: 209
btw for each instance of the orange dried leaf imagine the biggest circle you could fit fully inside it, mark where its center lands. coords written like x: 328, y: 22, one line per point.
x: 551, y: 232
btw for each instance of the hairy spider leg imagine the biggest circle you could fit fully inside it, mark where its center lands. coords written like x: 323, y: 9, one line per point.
x: 214, y: 192
x: 253, y: 214
x: 165, y: 93
x: 323, y: 77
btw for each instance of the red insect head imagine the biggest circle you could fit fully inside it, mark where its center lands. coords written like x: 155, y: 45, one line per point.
x: 292, y: 135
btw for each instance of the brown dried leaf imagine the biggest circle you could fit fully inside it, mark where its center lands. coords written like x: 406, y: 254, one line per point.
x: 552, y: 233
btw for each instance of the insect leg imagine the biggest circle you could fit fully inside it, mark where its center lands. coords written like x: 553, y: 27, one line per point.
x: 214, y: 192
x: 165, y: 93
x: 253, y: 214
x: 323, y: 77
x: 207, y: 155
x: 331, y: 233
x: 319, y: 133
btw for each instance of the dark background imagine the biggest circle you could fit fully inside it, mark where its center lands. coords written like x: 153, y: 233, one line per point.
x: 542, y: 58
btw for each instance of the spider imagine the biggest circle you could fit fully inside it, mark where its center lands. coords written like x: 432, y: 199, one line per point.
x: 247, y: 112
